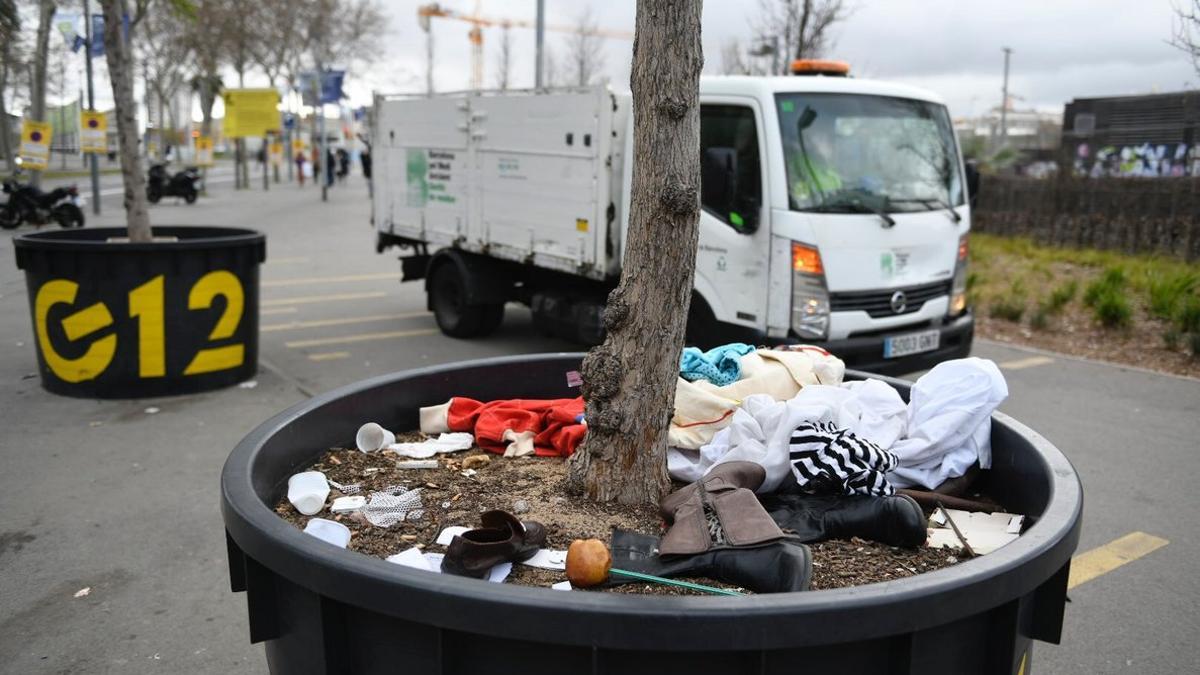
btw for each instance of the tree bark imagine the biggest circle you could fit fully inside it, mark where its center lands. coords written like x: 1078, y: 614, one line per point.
x: 37, y: 87
x: 6, y: 146
x: 629, y: 380
x: 120, y: 69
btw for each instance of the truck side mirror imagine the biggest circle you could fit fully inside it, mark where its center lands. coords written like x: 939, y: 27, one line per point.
x: 972, y: 183
x: 719, y: 188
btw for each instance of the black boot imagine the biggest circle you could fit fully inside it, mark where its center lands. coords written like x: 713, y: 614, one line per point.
x: 896, y: 520
x: 783, y: 566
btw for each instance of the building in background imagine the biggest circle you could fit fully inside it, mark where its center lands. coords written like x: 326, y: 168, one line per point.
x: 1021, y: 141
x: 1134, y: 136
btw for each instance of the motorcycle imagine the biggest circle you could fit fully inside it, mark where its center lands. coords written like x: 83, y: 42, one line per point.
x: 184, y: 184
x: 28, y: 204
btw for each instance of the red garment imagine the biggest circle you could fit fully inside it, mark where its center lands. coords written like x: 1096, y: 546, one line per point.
x: 557, y: 433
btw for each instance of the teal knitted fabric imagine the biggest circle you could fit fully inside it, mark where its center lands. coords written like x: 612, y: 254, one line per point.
x: 719, y: 365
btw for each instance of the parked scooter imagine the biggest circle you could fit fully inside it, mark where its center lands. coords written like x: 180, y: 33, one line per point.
x: 28, y: 204
x: 184, y: 183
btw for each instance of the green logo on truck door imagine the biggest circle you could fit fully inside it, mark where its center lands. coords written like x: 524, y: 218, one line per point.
x: 417, y: 187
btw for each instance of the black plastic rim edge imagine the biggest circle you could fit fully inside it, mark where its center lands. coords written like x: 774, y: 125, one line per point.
x: 92, y: 239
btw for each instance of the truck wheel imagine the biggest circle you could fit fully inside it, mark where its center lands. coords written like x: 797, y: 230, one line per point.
x: 456, y: 318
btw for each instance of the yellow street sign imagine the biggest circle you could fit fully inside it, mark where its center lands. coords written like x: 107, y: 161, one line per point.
x: 298, y: 145
x: 93, y: 131
x: 275, y: 150
x: 35, y: 144
x: 204, y: 151
x: 250, y: 112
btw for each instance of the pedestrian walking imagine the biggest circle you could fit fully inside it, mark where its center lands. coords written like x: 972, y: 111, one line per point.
x: 330, y: 167
x: 300, y: 161
x: 365, y: 158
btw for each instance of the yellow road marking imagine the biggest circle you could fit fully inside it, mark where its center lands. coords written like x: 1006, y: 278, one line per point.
x: 362, y: 337
x: 293, y: 325
x: 1106, y: 558
x: 287, y: 261
x: 328, y: 356
x: 1026, y: 363
x: 304, y: 281
x: 277, y: 310
x: 306, y: 300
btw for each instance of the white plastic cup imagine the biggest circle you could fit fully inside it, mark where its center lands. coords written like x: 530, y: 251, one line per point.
x: 372, y: 437
x: 330, y: 531
x: 308, y: 491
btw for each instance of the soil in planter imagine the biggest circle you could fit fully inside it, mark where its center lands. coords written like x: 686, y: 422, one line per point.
x: 533, y: 488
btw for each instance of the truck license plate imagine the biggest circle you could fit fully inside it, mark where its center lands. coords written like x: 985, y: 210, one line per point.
x: 912, y: 343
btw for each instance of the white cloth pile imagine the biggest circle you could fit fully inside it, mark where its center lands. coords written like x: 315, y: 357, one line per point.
x: 939, y: 434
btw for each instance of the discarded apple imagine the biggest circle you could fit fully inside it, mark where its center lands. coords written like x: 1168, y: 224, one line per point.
x: 588, y: 562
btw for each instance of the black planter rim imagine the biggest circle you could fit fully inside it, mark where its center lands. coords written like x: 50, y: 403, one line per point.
x: 623, y: 621
x: 95, y: 239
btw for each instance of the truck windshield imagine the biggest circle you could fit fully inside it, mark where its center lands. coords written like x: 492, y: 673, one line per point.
x: 858, y: 153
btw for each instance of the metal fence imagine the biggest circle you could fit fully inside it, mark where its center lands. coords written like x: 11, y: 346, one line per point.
x: 1135, y: 215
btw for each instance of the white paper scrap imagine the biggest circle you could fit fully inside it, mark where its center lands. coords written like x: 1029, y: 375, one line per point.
x: 1014, y: 524
x: 348, y: 504
x: 418, y: 464
x: 562, y: 586
x: 413, y: 558
x: 452, y: 442
x: 548, y: 559
x: 450, y: 533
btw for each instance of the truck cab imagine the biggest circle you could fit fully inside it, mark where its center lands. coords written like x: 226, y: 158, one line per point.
x: 834, y: 212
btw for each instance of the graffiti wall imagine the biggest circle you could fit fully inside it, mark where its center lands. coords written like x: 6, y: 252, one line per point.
x: 1137, y: 161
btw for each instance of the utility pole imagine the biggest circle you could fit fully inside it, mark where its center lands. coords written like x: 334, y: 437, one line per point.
x: 62, y: 109
x: 87, y: 32
x: 539, y: 69
x: 1004, y: 99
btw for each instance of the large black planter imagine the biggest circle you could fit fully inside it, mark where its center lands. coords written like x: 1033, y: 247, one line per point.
x: 325, y: 610
x: 115, y: 319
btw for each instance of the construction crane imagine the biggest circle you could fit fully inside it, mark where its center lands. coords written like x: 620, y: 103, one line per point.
x: 427, y: 12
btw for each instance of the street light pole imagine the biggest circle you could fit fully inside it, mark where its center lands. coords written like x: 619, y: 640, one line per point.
x: 87, y: 32
x: 539, y: 69
x: 1004, y: 99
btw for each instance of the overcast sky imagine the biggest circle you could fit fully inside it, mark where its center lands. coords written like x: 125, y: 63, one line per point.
x: 1062, y: 49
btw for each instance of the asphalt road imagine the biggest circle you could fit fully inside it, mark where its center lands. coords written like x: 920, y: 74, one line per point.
x: 107, y: 496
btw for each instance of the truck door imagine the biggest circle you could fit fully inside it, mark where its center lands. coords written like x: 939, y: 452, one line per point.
x: 427, y: 165
x: 732, y: 259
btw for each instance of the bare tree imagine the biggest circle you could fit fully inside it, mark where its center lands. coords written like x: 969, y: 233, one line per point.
x: 10, y: 68
x: 278, y: 39
x: 166, y: 56
x: 1185, y: 34
x: 504, y: 59
x: 585, y: 50
x: 119, y: 55
x: 736, y: 59
x: 629, y: 380
x: 206, y: 39
x: 37, y: 83
x: 798, y: 29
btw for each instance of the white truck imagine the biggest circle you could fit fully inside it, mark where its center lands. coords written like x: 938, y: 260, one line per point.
x: 834, y: 212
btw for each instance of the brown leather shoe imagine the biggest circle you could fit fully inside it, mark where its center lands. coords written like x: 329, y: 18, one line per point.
x: 503, y: 538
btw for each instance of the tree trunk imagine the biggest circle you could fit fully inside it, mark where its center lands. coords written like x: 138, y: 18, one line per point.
x: 37, y: 87
x: 629, y: 380
x: 6, y: 145
x: 120, y: 68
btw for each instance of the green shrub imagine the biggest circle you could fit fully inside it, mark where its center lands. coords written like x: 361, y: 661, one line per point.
x: 972, y: 281
x: 1010, y: 306
x: 1112, y: 308
x: 1171, y: 339
x: 1113, y: 279
x: 1040, y: 320
x: 1187, y: 319
x: 1060, y: 297
x: 1167, y: 291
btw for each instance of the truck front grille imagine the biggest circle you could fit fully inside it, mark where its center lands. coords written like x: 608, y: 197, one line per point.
x: 878, y: 304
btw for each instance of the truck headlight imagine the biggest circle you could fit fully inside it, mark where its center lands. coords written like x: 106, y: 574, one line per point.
x: 958, y: 289
x: 810, y: 295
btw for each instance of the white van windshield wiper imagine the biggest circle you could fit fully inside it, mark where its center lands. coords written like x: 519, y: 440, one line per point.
x: 854, y: 204
x: 936, y: 202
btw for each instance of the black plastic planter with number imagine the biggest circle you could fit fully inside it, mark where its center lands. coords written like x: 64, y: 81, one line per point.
x: 115, y: 319
x: 321, y: 609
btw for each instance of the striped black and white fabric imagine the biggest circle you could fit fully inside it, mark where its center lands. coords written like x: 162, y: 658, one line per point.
x: 828, y: 460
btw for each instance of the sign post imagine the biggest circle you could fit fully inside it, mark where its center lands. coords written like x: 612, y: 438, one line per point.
x: 204, y: 151
x: 35, y: 144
